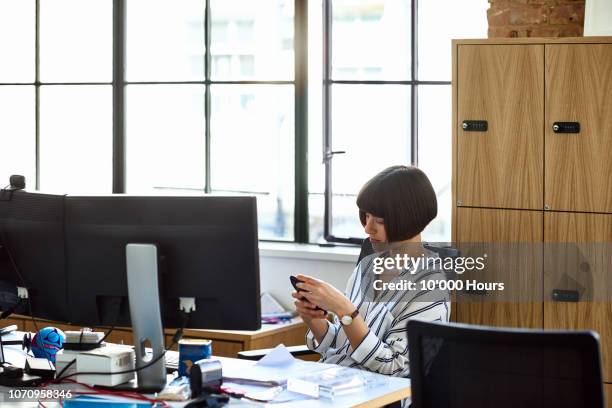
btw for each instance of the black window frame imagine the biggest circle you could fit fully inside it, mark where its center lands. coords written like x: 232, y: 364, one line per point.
x: 300, y: 83
x: 413, y: 83
x: 119, y: 83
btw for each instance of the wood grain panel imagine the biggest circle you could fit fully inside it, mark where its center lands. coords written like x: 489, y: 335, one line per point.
x: 519, y: 266
x: 226, y: 348
x: 578, y: 89
x: 608, y: 392
x: 594, y: 265
x: 535, y: 40
x: 502, y: 167
x: 10, y: 321
x: 294, y: 337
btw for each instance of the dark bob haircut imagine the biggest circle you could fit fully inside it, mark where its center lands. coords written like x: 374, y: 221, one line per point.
x: 403, y: 197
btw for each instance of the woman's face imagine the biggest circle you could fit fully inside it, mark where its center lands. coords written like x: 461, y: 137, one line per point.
x: 375, y: 228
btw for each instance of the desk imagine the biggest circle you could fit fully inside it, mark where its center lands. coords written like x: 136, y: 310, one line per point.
x: 226, y: 343
x: 395, y: 390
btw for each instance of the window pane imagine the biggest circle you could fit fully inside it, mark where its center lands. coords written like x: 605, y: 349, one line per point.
x: 252, y: 39
x: 372, y: 124
x: 371, y: 39
x: 435, y: 154
x: 76, y: 139
x: 459, y: 19
x: 76, y: 40
x: 165, y: 138
x: 165, y: 40
x: 17, y: 24
x: 252, y: 150
x: 17, y: 134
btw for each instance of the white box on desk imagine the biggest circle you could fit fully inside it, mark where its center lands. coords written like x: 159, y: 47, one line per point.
x: 106, y: 359
x: 63, y: 358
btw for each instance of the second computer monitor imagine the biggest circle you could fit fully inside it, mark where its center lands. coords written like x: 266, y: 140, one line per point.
x: 32, y: 251
x: 207, y: 246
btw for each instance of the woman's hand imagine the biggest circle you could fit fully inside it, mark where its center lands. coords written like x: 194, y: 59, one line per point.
x: 324, y: 295
x: 305, y: 309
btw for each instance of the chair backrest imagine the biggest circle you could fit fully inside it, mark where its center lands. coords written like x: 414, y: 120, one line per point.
x: 366, y: 249
x: 458, y: 365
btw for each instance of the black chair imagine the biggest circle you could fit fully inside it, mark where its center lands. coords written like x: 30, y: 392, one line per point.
x: 458, y: 365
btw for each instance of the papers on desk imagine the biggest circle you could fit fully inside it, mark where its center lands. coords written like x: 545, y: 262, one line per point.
x: 288, y: 379
x: 266, y: 379
x: 272, y: 370
x: 278, y: 357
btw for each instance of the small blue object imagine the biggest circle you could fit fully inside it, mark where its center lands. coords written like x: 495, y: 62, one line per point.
x: 47, y: 342
x: 190, y: 351
x: 86, y: 401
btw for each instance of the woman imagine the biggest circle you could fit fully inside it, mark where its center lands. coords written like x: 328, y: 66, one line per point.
x: 369, y: 327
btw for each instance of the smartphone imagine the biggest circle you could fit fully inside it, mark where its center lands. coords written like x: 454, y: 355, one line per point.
x: 294, y: 282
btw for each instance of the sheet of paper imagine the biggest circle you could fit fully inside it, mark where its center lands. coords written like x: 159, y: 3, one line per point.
x: 271, y: 394
x: 248, y: 370
x: 277, y: 357
x: 270, y: 305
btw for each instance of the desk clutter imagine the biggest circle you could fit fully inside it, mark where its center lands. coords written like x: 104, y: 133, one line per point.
x: 278, y: 377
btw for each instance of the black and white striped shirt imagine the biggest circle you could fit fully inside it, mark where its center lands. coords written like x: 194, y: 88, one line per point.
x: 384, y: 349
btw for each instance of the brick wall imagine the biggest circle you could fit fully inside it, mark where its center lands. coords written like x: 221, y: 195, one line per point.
x: 535, y: 18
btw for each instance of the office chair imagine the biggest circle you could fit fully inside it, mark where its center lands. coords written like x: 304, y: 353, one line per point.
x: 366, y: 249
x: 459, y: 365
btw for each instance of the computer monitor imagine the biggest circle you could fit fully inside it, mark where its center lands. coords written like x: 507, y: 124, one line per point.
x: 208, y: 250
x: 32, y: 251
x: 458, y: 365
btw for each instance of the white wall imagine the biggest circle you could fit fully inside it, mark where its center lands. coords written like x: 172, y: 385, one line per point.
x: 329, y: 265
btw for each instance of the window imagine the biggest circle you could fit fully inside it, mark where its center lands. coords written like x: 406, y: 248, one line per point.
x: 56, y: 94
x: 209, y: 96
x: 229, y: 130
x: 387, y: 100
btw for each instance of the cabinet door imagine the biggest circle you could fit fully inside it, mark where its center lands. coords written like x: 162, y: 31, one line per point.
x: 578, y: 258
x: 503, y: 166
x: 515, y: 257
x: 579, y: 165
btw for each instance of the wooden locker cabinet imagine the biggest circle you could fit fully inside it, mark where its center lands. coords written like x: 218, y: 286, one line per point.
x: 501, y: 228
x: 503, y: 85
x: 590, y: 272
x: 524, y: 180
x: 579, y: 165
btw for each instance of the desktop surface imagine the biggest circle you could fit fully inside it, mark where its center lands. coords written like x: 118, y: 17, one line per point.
x: 395, y: 388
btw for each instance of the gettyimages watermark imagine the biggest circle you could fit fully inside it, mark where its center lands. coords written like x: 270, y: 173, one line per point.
x: 490, y: 272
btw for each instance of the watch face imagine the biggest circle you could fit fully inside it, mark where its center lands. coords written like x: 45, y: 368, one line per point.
x: 346, y: 320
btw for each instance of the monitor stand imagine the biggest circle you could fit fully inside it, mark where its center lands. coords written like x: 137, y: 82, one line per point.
x: 145, y: 313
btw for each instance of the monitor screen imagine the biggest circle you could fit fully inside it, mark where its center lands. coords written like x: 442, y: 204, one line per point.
x: 207, y: 246
x: 32, y: 251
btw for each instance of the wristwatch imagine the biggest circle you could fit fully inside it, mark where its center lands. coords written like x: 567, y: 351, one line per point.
x: 347, y: 320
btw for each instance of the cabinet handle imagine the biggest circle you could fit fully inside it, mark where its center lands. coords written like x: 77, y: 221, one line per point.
x: 566, y: 127
x: 475, y: 125
x: 562, y: 295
